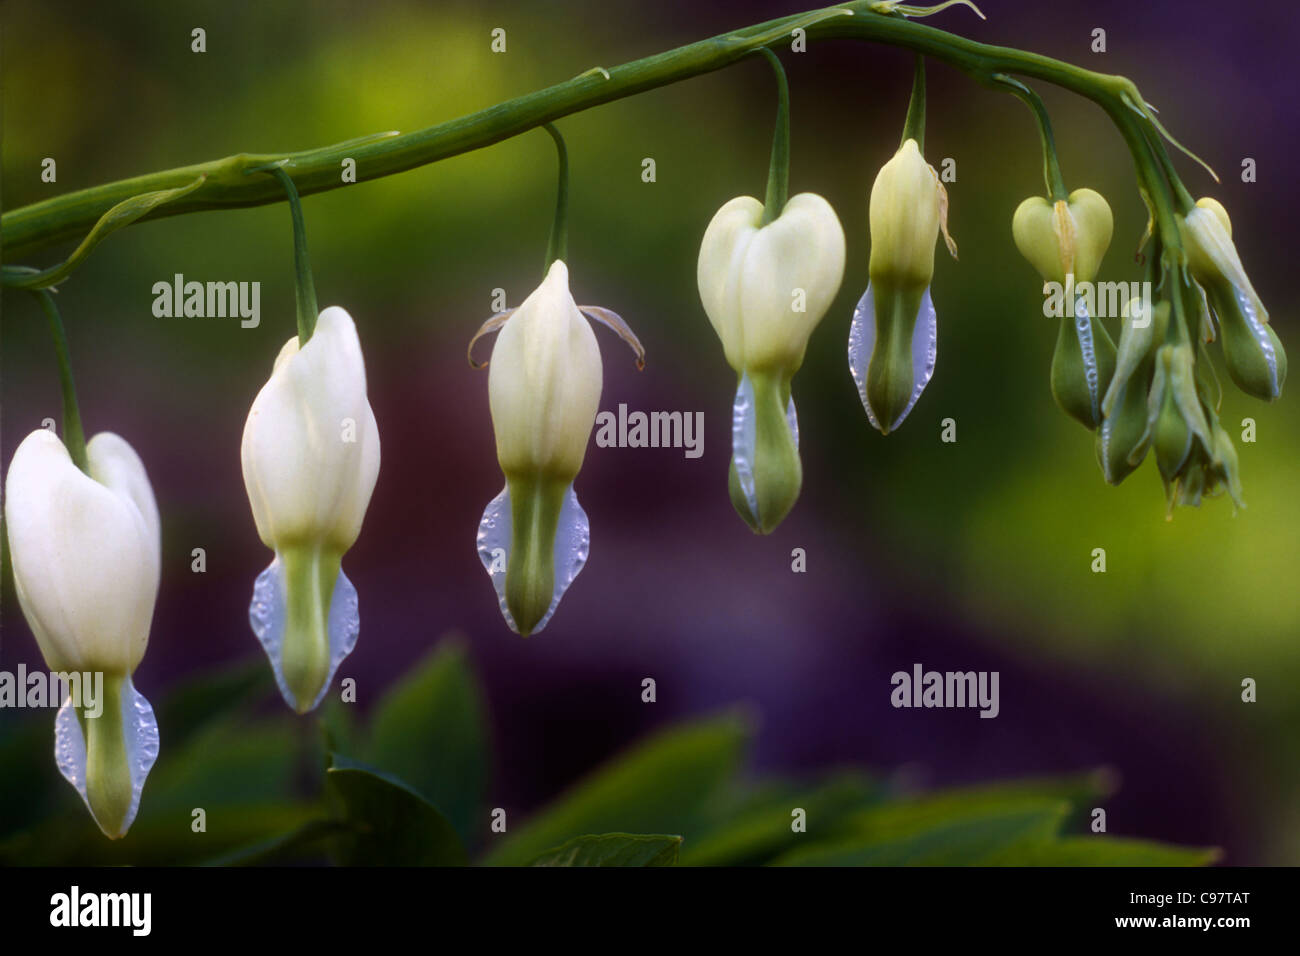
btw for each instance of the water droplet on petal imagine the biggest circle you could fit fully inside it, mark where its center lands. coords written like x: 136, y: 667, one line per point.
x: 744, y: 440
x: 571, y: 549
x: 266, y: 615
x: 792, y: 419
x: 140, y: 728
x: 1092, y: 378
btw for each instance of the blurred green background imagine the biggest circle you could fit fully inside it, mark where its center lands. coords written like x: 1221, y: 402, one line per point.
x: 988, y: 539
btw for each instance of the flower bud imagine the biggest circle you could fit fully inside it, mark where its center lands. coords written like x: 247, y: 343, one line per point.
x: 86, y: 552
x: 1224, y: 469
x: 1083, y: 363
x: 1175, y: 415
x: 1120, y: 448
x: 544, y: 385
x: 1068, y: 237
x: 893, y: 337
x: 310, y: 457
x: 765, y: 288
x: 1255, y: 358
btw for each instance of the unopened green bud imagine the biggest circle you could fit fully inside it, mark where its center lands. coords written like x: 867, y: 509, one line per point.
x: 1122, y: 439
x: 1253, y: 353
x: 1171, y: 437
x: 1225, y: 468
x: 1175, y: 415
x: 1082, y: 366
x: 1255, y: 358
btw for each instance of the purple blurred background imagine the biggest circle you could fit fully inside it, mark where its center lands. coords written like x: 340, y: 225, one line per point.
x: 677, y: 588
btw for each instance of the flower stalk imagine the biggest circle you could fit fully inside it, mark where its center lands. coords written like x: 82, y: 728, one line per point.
x: 223, y: 183
x: 74, y: 438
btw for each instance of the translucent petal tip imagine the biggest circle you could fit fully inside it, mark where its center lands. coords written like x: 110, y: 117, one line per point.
x: 140, y: 731
x: 572, y: 546
x: 744, y: 440
x: 862, y: 343
x: 267, y: 615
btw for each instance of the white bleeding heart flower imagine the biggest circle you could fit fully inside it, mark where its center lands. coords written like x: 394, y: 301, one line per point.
x: 765, y: 287
x: 85, y: 551
x: 310, y: 456
x: 544, y: 384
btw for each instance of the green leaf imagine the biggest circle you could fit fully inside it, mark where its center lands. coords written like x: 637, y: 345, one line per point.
x: 663, y: 785
x: 934, y: 833
x: 389, y: 824
x: 161, y: 838
x: 291, y: 846
x: 614, y: 849
x: 1114, y: 851
x: 190, y: 706
x: 123, y: 214
x: 231, y: 761
x: 752, y: 830
x: 430, y: 731
x: 27, y: 755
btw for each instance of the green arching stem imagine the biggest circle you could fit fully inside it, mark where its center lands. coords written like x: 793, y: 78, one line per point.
x: 1184, y: 198
x: 778, y: 170
x: 225, y: 185
x: 914, y: 127
x: 74, y: 438
x: 305, y: 285
x: 1056, y: 188
x: 1146, y: 148
x: 557, y: 247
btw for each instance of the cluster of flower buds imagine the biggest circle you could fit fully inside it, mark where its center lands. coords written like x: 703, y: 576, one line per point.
x: 1157, y: 391
x: 86, y: 556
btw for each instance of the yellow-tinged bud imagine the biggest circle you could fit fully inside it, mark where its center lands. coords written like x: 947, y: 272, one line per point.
x: 908, y: 206
x: 893, y: 338
x: 1068, y: 237
x: 1254, y: 355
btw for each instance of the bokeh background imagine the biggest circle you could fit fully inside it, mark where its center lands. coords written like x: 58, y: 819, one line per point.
x: 973, y: 555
